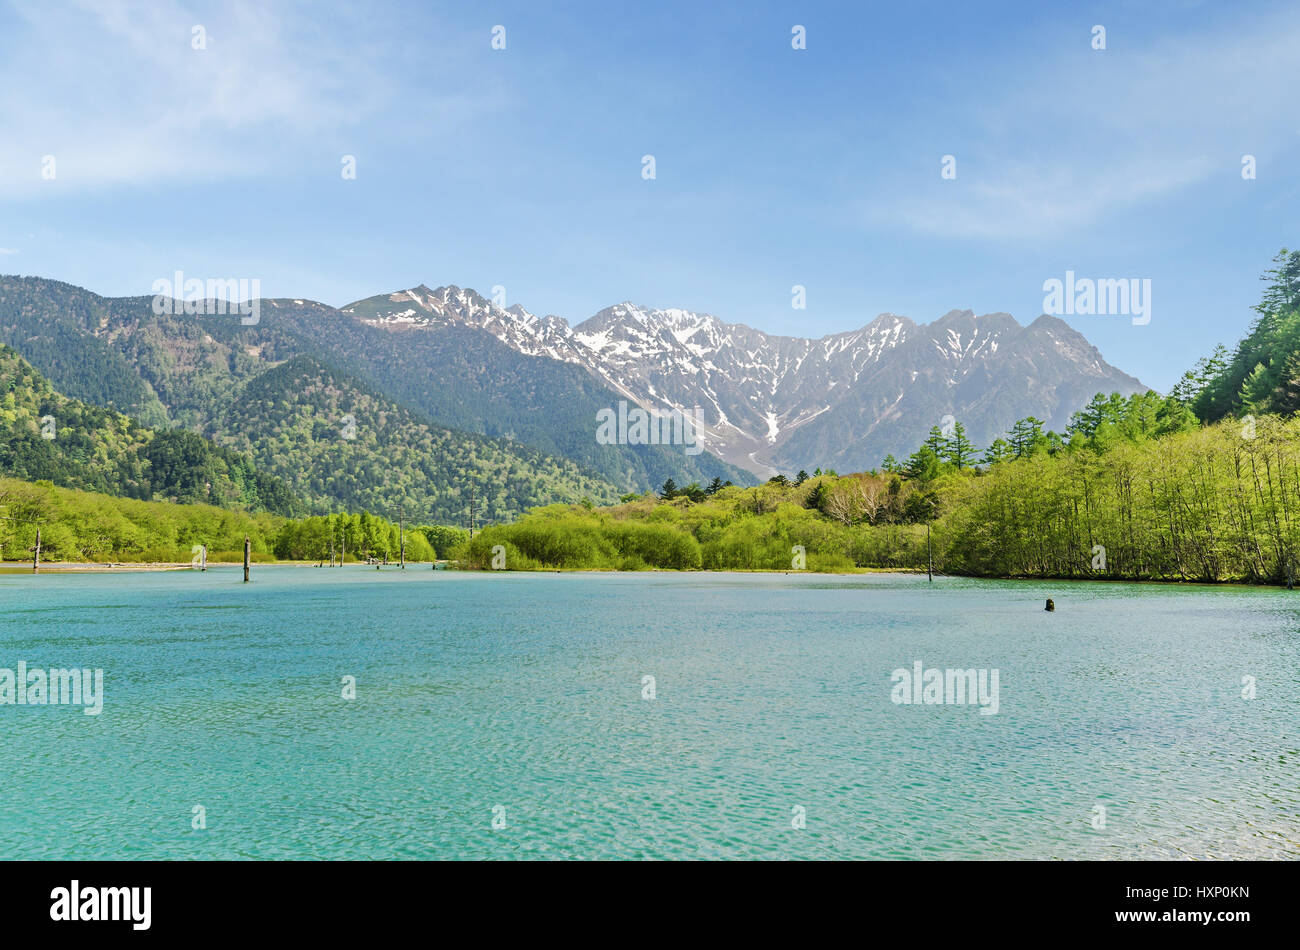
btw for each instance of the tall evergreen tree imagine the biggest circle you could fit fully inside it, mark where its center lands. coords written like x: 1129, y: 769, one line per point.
x: 1026, y: 437
x: 959, y: 451
x: 998, y: 451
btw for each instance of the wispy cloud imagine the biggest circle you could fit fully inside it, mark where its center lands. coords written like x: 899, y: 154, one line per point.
x: 1067, y: 141
x: 8, y: 250
x: 118, y: 95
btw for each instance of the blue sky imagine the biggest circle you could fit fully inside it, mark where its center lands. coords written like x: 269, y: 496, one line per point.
x: 522, y: 167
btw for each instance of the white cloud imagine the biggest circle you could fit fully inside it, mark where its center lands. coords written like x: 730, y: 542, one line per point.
x: 1072, y: 139
x: 7, y: 250
x: 116, y: 93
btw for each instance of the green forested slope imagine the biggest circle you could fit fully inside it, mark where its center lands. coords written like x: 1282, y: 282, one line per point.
x: 46, y: 435
x: 337, y: 442
x: 1262, y: 374
x: 187, y: 369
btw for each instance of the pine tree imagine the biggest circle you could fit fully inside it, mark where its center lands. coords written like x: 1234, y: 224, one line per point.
x: 959, y: 451
x: 924, y: 464
x: 1283, y: 291
x: 1286, y: 397
x: 1085, y: 423
x: 1026, y: 437
x: 936, y: 442
x: 1257, y: 388
x: 998, y: 451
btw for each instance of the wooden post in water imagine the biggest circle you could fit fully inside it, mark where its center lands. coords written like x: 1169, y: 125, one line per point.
x: 248, y: 556
x: 401, y: 538
x: 203, y: 557
x: 929, y: 554
x: 36, y: 553
x: 343, y: 539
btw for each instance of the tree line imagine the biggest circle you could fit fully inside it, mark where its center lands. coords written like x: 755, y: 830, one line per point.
x: 79, y: 525
x: 1200, y: 484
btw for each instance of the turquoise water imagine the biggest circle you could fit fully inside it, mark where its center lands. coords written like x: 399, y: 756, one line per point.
x: 523, y: 693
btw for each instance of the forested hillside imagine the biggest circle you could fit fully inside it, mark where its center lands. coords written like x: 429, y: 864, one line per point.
x: 53, y: 325
x: 46, y: 435
x: 473, y: 382
x: 188, y: 370
x: 339, y: 443
x: 1262, y: 374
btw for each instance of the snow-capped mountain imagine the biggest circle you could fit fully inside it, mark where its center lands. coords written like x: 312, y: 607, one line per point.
x: 772, y: 403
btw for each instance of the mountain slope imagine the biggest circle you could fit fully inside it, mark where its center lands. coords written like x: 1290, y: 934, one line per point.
x: 53, y: 325
x: 1262, y: 373
x: 774, y: 402
x: 178, y: 369
x: 766, y: 402
x: 462, y: 376
x: 338, y: 442
x: 46, y: 435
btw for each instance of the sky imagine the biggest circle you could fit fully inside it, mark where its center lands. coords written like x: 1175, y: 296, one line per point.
x: 212, y: 138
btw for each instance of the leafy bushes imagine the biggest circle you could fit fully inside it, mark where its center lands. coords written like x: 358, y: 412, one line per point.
x: 551, y: 538
x: 721, y: 534
x: 84, y: 526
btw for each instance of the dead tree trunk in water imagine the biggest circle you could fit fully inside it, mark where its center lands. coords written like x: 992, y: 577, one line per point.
x: 36, y: 553
x: 248, y: 556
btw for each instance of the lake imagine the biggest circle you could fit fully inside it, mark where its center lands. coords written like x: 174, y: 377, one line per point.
x: 502, y: 715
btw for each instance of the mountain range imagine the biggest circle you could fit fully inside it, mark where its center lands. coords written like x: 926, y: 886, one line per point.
x: 434, y: 423
x: 450, y: 394
x: 779, y: 403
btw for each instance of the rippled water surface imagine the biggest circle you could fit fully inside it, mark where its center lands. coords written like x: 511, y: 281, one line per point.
x: 520, y: 697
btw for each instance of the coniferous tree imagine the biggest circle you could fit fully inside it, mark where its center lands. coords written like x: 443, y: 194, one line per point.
x: 924, y: 464
x: 1026, y: 437
x: 998, y: 451
x: 959, y: 451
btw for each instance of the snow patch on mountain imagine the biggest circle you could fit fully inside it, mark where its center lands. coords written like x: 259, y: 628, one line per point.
x: 759, y: 392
